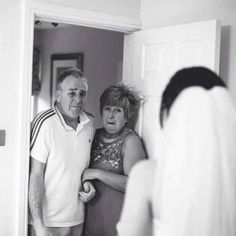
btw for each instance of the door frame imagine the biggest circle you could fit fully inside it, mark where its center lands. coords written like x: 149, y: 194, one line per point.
x: 50, y: 12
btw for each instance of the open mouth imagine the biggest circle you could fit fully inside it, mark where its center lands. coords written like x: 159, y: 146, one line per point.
x: 75, y: 107
x: 110, y: 123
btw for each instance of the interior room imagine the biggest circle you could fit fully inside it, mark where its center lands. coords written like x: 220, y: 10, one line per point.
x: 102, y: 56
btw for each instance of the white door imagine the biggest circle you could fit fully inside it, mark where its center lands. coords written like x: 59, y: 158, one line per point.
x: 152, y: 56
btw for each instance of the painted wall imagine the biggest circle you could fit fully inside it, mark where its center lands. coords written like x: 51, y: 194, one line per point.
x: 11, y: 54
x: 103, y: 55
x: 129, y: 8
x: 171, y: 12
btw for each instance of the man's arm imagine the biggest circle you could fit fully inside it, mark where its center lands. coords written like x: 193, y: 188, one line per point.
x: 36, y: 185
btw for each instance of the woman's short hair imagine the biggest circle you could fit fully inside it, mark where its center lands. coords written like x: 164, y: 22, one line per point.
x: 184, y: 78
x: 122, y: 96
x: 73, y: 71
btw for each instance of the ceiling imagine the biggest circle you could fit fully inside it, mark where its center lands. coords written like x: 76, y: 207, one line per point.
x: 42, y: 25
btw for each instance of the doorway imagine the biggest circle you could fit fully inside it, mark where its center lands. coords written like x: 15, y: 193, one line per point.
x: 58, y: 14
x: 97, y: 52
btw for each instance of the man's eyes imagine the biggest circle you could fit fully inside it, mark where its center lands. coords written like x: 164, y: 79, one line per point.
x: 81, y: 94
x: 71, y: 94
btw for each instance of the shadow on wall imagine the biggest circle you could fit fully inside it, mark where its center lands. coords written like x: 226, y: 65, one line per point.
x: 131, y: 124
x: 225, y: 52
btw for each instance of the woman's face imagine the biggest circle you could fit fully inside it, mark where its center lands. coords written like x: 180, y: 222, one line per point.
x: 113, y: 118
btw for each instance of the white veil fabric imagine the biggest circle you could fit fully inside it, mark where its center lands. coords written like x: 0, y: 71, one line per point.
x: 195, y: 189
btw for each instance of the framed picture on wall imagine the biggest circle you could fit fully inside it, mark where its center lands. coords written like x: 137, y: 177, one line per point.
x: 36, y: 72
x: 60, y: 62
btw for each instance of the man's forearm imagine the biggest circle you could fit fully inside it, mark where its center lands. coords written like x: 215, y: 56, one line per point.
x: 35, y: 199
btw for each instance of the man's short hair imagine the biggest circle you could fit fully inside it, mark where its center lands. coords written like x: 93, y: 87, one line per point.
x: 73, y: 71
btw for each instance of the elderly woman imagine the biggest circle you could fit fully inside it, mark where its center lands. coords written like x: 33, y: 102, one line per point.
x: 192, y: 188
x: 115, y: 149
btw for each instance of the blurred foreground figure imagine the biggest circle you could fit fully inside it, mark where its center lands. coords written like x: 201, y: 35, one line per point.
x: 191, y: 190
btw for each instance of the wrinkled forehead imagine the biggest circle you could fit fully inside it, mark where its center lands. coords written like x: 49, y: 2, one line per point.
x: 72, y: 82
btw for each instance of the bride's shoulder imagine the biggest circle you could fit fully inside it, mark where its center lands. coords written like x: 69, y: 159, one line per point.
x: 144, y: 171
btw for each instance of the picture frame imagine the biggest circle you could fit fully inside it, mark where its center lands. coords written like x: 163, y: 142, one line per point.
x: 36, y: 71
x: 60, y: 62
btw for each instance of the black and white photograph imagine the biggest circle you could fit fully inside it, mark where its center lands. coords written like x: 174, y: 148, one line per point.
x: 119, y: 118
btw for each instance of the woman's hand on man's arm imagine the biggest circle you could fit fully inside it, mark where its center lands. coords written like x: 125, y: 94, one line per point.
x: 90, y: 174
x: 116, y: 181
x: 87, y: 192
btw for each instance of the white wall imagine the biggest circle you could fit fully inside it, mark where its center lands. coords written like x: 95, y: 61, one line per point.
x: 11, y: 54
x: 171, y: 12
x: 129, y: 8
x: 103, y: 52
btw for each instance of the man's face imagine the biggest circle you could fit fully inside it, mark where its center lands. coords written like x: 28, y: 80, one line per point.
x: 71, y: 96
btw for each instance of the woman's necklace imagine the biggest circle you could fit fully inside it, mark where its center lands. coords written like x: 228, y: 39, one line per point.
x: 107, y: 135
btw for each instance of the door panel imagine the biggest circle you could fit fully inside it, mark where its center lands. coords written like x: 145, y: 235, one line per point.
x: 152, y: 56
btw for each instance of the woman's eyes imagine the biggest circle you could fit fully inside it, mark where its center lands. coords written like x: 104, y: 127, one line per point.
x: 107, y: 108
x: 116, y: 110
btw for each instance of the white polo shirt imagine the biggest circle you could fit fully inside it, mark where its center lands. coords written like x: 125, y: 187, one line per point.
x: 66, y: 153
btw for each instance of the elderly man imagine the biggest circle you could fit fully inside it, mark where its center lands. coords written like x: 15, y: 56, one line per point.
x: 60, y: 151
